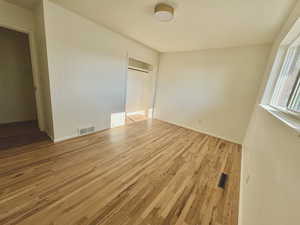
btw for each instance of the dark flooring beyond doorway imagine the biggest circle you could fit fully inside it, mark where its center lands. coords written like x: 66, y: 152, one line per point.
x: 20, y: 133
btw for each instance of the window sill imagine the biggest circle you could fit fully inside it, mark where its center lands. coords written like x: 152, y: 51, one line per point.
x: 283, y: 117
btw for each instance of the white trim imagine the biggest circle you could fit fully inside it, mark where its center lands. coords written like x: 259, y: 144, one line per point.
x: 275, y: 71
x: 36, y: 81
x: 138, y: 69
x: 35, y: 71
x: 126, y: 79
x: 243, y: 183
x: 284, y: 110
x: 284, y: 117
x: 292, y: 35
x: 156, y: 86
x: 199, y: 131
x: 289, y: 38
x: 56, y: 140
x: 281, y: 62
x: 154, y: 74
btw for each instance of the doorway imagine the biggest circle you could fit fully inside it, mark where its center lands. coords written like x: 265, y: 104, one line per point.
x: 140, y: 93
x: 18, y: 114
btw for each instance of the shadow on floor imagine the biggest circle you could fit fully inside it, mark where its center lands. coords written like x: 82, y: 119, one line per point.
x: 20, y: 133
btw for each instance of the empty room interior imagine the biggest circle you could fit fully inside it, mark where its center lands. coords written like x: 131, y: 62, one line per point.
x: 149, y: 112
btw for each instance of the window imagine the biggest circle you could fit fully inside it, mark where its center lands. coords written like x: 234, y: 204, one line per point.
x: 282, y: 95
x: 286, y: 95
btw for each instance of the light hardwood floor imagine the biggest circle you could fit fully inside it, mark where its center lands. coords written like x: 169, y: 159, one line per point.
x: 145, y: 173
x: 135, y: 118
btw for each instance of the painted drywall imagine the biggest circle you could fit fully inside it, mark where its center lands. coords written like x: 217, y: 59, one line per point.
x: 87, y: 71
x: 17, y: 100
x: 211, y: 91
x: 140, y: 92
x: 271, y: 154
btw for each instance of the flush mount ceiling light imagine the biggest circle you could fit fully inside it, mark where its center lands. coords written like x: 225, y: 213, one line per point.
x: 164, y: 12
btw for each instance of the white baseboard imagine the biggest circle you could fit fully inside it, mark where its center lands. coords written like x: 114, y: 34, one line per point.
x: 56, y: 140
x: 199, y: 130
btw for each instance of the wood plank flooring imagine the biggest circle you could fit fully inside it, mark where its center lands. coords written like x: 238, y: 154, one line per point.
x: 135, y: 118
x: 145, y: 173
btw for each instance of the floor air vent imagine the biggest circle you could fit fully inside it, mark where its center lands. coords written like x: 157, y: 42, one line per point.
x: 222, y: 181
x: 84, y: 131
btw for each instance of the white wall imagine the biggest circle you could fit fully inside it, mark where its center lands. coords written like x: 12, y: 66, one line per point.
x: 87, y: 70
x: 17, y: 100
x: 270, y: 176
x: 212, y: 91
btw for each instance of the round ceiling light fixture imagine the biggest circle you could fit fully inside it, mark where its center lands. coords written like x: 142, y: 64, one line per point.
x: 164, y: 12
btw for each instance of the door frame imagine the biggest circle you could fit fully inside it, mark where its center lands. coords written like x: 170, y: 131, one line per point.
x: 35, y: 72
x: 154, y: 73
